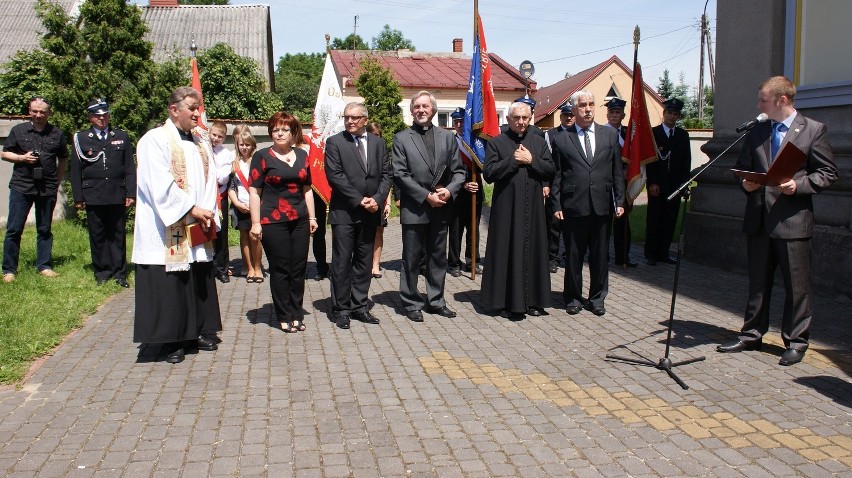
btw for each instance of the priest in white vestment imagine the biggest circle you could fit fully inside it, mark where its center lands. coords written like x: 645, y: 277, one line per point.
x: 177, y: 304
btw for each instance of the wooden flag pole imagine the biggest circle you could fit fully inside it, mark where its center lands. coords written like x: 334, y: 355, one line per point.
x: 473, y: 225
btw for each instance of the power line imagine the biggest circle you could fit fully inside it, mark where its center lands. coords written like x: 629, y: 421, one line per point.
x: 612, y: 47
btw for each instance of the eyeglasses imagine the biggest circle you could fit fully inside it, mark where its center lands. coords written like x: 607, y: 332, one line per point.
x: 353, y: 118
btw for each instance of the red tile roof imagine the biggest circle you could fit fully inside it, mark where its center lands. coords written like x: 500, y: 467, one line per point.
x: 561, y: 91
x: 428, y: 70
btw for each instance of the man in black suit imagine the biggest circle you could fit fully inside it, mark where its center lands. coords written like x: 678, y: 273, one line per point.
x: 358, y: 169
x: 587, y: 190
x: 103, y: 181
x: 621, y: 236
x: 670, y: 170
x: 779, y: 220
x: 554, y: 226
x: 428, y: 174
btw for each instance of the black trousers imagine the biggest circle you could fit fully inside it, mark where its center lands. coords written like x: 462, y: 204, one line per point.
x: 581, y: 234
x: 107, y: 240
x: 351, y: 266
x: 418, y: 240
x: 793, y: 257
x: 660, y: 225
x: 220, y: 245
x: 318, y: 240
x: 554, y: 230
x: 286, y: 248
x: 460, y: 232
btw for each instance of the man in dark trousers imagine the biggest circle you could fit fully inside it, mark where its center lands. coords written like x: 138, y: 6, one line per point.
x: 357, y: 166
x: 621, y: 237
x: 428, y: 174
x: 39, y: 153
x: 462, y: 210
x: 664, y: 175
x: 588, y: 189
x: 103, y: 181
x: 554, y: 226
x: 779, y: 220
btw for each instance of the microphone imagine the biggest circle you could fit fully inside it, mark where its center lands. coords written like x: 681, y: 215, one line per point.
x: 750, y: 124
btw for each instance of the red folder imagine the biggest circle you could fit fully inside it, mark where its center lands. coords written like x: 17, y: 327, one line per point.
x: 197, y: 235
x: 789, y: 160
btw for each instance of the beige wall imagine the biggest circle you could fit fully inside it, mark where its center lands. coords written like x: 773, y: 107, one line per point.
x: 599, y: 87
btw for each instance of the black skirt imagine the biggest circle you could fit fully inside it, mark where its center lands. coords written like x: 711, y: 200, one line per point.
x: 243, y: 220
x: 175, y: 306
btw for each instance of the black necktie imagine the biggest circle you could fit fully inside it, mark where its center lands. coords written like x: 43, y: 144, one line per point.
x: 102, y: 136
x: 671, y: 133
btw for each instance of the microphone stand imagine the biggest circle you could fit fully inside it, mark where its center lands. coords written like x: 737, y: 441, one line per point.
x: 666, y: 363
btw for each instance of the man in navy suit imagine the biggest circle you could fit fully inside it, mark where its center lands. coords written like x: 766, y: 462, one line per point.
x: 358, y: 169
x: 779, y: 220
x: 587, y: 190
x: 428, y: 174
x: 103, y: 181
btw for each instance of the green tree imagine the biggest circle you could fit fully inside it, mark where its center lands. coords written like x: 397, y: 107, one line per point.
x: 391, y: 40
x: 665, y: 87
x: 297, y: 81
x: 233, y: 87
x: 382, y: 95
x: 348, y: 42
x: 24, y: 77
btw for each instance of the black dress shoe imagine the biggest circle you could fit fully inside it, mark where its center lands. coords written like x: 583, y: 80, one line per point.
x: 738, y: 346
x: 122, y: 282
x: 455, y: 272
x: 553, y: 268
x: 628, y: 263
x: 176, y: 355
x: 443, y: 311
x: 365, y: 317
x: 668, y: 260
x: 414, y: 316
x: 512, y: 315
x: 206, y: 344
x: 343, y: 321
x: 791, y: 357
x: 223, y: 278
x: 101, y: 281
x: 573, y: 309
x: 597, y: 310
x: 536, y: 312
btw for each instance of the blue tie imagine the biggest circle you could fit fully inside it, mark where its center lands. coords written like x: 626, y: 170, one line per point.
x: 775, y: 145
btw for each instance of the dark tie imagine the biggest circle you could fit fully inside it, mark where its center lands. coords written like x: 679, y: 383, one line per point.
x: 775, y: 145
x: 587, y: 143
x: 102, y: 136
x: 361, y: 150
x: 671, y: 134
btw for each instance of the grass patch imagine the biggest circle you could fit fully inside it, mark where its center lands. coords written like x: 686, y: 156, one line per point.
x: 637, y: 223
x: 37, y: 312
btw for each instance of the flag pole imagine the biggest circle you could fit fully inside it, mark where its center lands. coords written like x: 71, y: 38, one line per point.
x: 628, y: 204
x: 473, y: 178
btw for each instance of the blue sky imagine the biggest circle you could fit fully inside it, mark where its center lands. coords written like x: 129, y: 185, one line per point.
x: 559, y: 37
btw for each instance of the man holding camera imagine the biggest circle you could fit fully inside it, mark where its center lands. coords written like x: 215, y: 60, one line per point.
x: 39, y: 152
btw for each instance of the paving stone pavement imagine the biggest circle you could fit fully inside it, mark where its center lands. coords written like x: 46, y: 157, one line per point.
x: 475, y: 396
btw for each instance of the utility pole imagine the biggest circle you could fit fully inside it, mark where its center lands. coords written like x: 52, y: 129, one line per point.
x: 355, y: 32
x: 701, y: 67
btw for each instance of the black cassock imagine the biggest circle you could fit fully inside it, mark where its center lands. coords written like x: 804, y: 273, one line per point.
x: 516, y: 273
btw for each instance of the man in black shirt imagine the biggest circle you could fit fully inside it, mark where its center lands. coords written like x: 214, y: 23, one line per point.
x: 39, y: 152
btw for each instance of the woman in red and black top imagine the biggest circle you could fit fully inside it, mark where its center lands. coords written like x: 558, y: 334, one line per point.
x: 282, y: 216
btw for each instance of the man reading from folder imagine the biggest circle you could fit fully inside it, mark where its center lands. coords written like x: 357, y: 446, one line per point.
x: 778, y: 221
